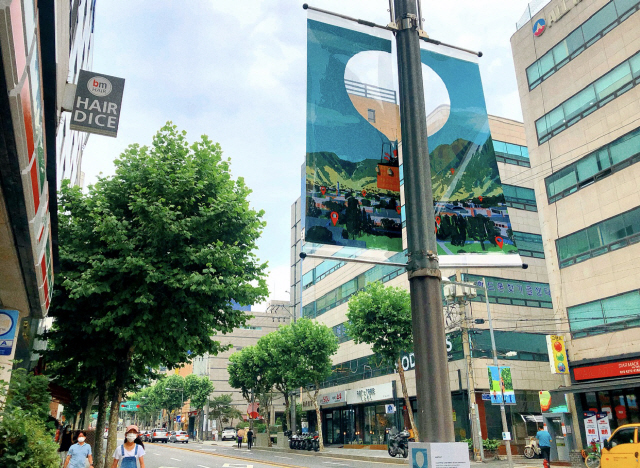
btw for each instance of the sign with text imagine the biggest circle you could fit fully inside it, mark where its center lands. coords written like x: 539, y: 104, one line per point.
x: 604, y: 430
x: 96, y: 106
x: 371, y: 393
x: 557, y: 354
x: 613, y: 369
x: 332, y: 398
x: 439, y: 455
x: 130, y: 406
x: 8, y: 327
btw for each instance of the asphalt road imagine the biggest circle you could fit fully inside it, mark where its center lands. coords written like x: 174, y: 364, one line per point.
x: 207, y: 456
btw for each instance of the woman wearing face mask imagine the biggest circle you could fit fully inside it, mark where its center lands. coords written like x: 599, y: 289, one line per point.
x: 131, y: 452
x: 79, y: 453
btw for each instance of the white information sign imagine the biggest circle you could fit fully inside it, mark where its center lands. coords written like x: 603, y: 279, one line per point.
x: 332, y: 398
x: 372, y: 393
x: 591, y: 427
x: 506, y: 436
x: 439, y: 455
x: 604, y: 430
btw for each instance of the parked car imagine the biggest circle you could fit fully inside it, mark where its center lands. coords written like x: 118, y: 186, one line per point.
x: 179, y: 436
x: 144, y: 436
x: 159, y: 434
x: 229, y: 433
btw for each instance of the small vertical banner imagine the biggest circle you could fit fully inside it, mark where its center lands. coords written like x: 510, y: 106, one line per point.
x: 8, y: 328
x: 557, y: 354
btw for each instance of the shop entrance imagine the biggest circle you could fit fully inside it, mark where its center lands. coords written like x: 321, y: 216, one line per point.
x: 559, y: 426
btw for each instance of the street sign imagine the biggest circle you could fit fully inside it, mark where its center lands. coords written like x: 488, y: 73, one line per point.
x: 390, y: 409
x: 130, y: 406
x: 178, y: 418
x: 96, y: 105
x: 486, y: 397
x: 8, y: 327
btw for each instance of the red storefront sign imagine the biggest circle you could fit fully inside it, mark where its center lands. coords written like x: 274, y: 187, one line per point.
x: 613, y: 369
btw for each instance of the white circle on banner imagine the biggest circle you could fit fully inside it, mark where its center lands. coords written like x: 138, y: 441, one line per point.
x: 99, y: 86
x: 419, y: 459
x: 5, y: 323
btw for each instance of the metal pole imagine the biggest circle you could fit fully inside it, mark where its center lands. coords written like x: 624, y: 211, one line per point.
x: 292, y: 400
x: 252, y: 407
x: 435, y: 417
x: 419, y: 5
x: 471, y: 387
x: 503, y: 413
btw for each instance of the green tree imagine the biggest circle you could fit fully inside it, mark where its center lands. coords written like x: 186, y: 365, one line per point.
x: 481, y: 228
x: 312, y: 345
x: 381, y: 317
x: 171, y: 244
x: 222, y: 411
x: 29, y: 393
x: 169, y: 393
x: 198, y: 389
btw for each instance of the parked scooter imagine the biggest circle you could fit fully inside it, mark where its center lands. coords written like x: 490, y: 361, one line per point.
x: 532, y: 450
x: 312, y: 442
x: 398, y: 444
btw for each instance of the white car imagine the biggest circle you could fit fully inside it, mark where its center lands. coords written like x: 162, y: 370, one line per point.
x: 229, y: 433
x: 179, y: 436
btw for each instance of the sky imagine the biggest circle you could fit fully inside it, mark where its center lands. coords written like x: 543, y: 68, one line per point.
x: 236, y: 71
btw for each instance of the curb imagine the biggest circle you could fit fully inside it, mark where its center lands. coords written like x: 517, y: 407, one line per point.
x: 339, y: 456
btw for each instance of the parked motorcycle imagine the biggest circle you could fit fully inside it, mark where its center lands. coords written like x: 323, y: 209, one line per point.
x: 532, y: 450
x: 398, y: 444
x: 315, y: 442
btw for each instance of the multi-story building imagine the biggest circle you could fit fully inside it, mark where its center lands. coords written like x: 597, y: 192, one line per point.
x: 35, y: 39
x: 578, y: 70
x: 520, y: 303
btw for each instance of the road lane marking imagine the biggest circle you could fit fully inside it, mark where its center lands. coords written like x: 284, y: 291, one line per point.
x: 175, y: 459
x: 284, y: 458
x: 236, y: 465
x: 202, y: 466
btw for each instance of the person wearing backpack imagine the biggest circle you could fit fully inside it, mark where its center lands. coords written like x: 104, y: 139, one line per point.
x: 131, y: 452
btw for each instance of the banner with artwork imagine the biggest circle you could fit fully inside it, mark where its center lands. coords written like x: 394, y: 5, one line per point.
x: 353, y: 168
x: 501, y: 385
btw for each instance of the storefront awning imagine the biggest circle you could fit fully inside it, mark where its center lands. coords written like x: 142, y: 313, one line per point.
x: 600, y: 386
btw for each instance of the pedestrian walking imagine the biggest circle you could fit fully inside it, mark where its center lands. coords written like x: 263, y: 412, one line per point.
x: 544, y: 442
x: 131, y: 453
x: 65, y: 443
x: 79, y: 453
x: 249, y: 438
x: 240, y: 436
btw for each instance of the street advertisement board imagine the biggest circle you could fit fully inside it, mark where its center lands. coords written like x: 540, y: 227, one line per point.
x: 604, y: 430
x: 97, y: 103
x: 439, y: 455
x: 553, y: 402
x: 332, y: 398
x: 610, y: 369
x: 353, y: 168
x: 591, y: 427
x: 501, y: 385
x: 557, y: 354
x: 130, y: 406
x: 8, y: 328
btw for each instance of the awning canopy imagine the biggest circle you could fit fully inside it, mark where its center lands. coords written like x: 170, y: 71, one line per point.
x: 600, y: 386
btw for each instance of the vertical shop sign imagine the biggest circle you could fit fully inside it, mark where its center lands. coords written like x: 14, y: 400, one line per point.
x: 557, y: 354
x: 591, y: 427
x: 96, y: 106
x: 604, y: 430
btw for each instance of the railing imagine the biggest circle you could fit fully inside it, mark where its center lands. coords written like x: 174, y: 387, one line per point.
x: 532, y: 9
x: 370, y: 91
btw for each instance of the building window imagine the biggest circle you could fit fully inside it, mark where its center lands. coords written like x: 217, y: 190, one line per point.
x: 509, y: 153
x: 371, y: 115
x: 599, y: 93
x: 605, y: 315
x: 519, y: 197
x: 608, y: 235
x: 596, y: 165
x: 250, y: 327
x: 529, y: 245
x: 587, y: 34
x: 341, y: 333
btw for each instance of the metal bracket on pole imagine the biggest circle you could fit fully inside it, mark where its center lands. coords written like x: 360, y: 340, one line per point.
x: 434, y: 272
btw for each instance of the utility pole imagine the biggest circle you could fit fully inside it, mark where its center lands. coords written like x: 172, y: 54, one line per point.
x: 435, y: 419
x: 503, y: 413
x: 471, y: 387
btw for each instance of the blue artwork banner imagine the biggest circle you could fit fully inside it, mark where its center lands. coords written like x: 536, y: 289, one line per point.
x: 8, y: 328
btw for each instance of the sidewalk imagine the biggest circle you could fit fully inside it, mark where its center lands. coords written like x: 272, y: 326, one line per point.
x: 381, y: 456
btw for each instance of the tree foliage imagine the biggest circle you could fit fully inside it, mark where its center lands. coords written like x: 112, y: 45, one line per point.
x: 222, y: 410
x: 381, y: 317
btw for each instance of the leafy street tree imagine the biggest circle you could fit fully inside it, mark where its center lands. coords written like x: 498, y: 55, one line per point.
x: 158, y: 252
x: 381, y: 317
x: 249, y: 372
x: 311, y: 346
x: 274, y: 349
x: 222, y: 411
x: 198, y: 389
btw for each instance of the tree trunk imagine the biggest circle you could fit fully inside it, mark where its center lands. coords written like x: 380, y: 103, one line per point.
x: 318, y: 415
x: 87, y: 411
x: 407, y: 403
x: 113, y: 429
x: 102, y: 412
x: 287, y: 410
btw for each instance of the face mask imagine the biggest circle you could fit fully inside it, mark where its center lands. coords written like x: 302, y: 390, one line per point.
x: 131, y: 437
x: 80, y: 439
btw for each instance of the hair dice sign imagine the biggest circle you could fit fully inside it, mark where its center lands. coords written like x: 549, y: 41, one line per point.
x: 96, y: 107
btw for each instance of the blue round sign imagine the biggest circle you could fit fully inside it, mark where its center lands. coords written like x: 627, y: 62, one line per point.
x: 539, y: 27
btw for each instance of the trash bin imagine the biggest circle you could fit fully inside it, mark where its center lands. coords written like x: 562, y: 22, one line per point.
x: 562, y: 449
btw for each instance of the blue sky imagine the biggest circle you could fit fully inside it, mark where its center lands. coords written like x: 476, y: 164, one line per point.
x: 236, y: 71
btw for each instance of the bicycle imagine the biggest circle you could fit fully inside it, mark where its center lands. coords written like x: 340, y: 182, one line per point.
x: 591, y: 458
